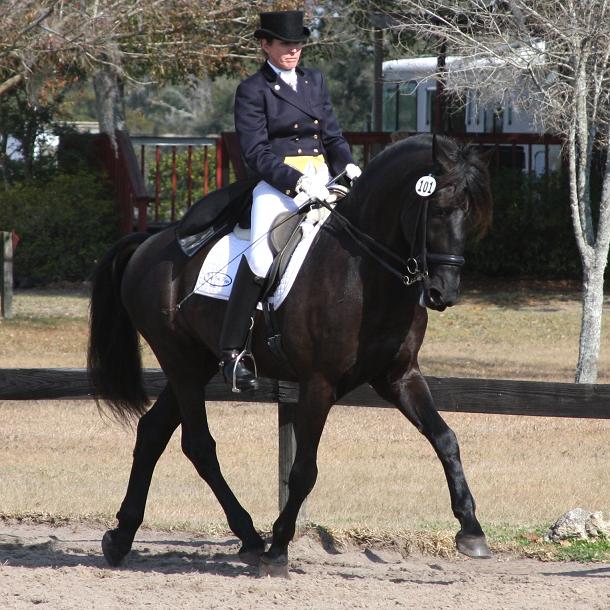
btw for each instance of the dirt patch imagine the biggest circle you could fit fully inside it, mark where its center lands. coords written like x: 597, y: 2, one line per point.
x: 62, y: 567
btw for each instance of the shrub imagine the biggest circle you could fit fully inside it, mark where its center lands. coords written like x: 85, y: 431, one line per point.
x: 65, y: 224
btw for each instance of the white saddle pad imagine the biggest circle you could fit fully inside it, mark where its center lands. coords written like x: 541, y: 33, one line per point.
x: 220, y: 265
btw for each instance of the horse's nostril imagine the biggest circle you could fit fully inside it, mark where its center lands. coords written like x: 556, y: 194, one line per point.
x: 435, y: 295
x: 435, y: 300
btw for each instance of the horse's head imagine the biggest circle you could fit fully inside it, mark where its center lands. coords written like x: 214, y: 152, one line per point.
x: 436, y: 227
x: 461, y: 203
x: 415, y: 237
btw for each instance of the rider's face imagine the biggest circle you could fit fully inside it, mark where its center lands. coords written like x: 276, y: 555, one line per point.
x: 283, y: 55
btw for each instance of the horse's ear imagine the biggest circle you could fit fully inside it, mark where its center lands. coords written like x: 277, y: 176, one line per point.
x: 486, y: 155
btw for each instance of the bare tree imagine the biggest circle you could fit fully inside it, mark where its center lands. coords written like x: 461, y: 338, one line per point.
x: 551, y: 57
x: 44, y: 43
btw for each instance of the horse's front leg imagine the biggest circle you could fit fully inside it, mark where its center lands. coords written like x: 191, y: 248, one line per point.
x: 315, y: 400
x: 412, y: 397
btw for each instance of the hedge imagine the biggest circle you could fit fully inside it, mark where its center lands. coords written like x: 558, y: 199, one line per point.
x: 65, y: 224
x: 532, y: 232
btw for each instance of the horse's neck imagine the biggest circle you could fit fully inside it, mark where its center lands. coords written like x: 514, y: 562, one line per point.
x: 376, y: 212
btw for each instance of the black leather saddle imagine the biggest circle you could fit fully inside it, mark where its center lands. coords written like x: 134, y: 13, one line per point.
x: 215, y: 215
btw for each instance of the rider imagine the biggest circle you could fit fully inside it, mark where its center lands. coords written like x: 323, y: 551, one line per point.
x: 288, y: 134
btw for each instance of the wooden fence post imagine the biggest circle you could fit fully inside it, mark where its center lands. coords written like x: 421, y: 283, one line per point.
x: 6, y: 290
x: 287, y: 411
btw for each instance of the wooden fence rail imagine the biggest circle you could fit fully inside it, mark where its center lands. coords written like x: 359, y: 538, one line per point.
x: 492, y: 396
x: 464, y: 395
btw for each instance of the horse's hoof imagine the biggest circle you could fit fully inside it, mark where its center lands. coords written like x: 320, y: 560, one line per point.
x: 276, y: 568
x: 251, y: 554
x: 472, y: 546
x: 113, y: 554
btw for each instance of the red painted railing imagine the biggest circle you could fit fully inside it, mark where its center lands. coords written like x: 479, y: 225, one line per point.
x: 130, y: 191
x: 180, y: 170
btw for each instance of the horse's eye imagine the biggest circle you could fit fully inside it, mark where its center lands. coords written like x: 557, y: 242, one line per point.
x: 440, y: 212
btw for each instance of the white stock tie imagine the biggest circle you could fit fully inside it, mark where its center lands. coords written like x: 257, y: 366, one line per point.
x: 290, y: 78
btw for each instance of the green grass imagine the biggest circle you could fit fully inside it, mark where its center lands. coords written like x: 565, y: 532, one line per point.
x: 584, y: 551
x: 531, y: 543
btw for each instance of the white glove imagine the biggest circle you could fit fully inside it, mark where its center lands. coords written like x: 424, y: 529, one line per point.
x: 352, y: 171
x: 311, y: 188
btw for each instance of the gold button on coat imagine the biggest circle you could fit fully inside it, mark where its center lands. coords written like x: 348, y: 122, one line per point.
x: 296, y: 125
x: 316, y: 121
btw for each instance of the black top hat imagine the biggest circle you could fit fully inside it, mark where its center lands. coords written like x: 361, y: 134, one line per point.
x: 283, y: 25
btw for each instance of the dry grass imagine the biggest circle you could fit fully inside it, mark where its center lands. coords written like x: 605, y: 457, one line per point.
x: 511, y: 331
x: 49, y: 329
x: 375, y: 469
x: 376, y: 472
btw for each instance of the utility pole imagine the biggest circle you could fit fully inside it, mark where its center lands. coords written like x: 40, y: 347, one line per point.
x: 439, y: 106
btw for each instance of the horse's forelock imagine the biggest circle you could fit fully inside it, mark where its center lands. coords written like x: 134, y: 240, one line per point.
x: 461, y: 168
x: 468, y: 174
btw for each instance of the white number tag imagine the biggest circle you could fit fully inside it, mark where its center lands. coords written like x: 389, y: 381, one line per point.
x: 425, y: 186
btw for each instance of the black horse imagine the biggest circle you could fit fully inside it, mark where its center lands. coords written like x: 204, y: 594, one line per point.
x: 355, y: 315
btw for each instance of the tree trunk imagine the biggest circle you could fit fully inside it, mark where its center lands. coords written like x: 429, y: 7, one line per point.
x: 591, y: 324
x: 28, y: 148
x: 3, y: 157
x: 595, y: 260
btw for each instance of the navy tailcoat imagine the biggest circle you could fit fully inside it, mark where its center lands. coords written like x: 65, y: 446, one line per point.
x: 273, y: 121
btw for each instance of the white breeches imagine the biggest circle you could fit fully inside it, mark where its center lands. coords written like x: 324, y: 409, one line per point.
x: 267, y: 204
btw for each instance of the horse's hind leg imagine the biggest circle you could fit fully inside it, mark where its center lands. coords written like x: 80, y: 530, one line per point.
x: 412, y: 397
x: 200, y: 448
x: 155, y: 428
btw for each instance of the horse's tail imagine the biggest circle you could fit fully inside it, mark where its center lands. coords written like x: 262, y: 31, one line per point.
x: 114, y: 362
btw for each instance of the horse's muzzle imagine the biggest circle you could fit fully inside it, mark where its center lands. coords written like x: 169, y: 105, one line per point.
x: 441, y: 290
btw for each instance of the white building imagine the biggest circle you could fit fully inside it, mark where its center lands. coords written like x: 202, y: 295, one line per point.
x: 47, y: 142
x: 409, y: 92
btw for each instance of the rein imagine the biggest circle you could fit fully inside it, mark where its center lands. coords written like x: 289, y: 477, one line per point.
x: 367, y: 243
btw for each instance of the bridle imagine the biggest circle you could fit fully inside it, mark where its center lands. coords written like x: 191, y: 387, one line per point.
x: 408, y: 271
x: 424, y: 258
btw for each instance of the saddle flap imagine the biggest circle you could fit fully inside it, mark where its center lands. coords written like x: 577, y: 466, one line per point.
x: 281, y: 231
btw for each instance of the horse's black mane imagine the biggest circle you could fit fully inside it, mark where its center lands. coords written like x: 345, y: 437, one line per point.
x: 460, y: 164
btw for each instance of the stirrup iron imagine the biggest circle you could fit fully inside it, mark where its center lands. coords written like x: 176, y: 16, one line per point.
x: 245, y: 353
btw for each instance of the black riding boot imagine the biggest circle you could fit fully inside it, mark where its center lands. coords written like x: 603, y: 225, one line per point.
x: 245, y: 295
